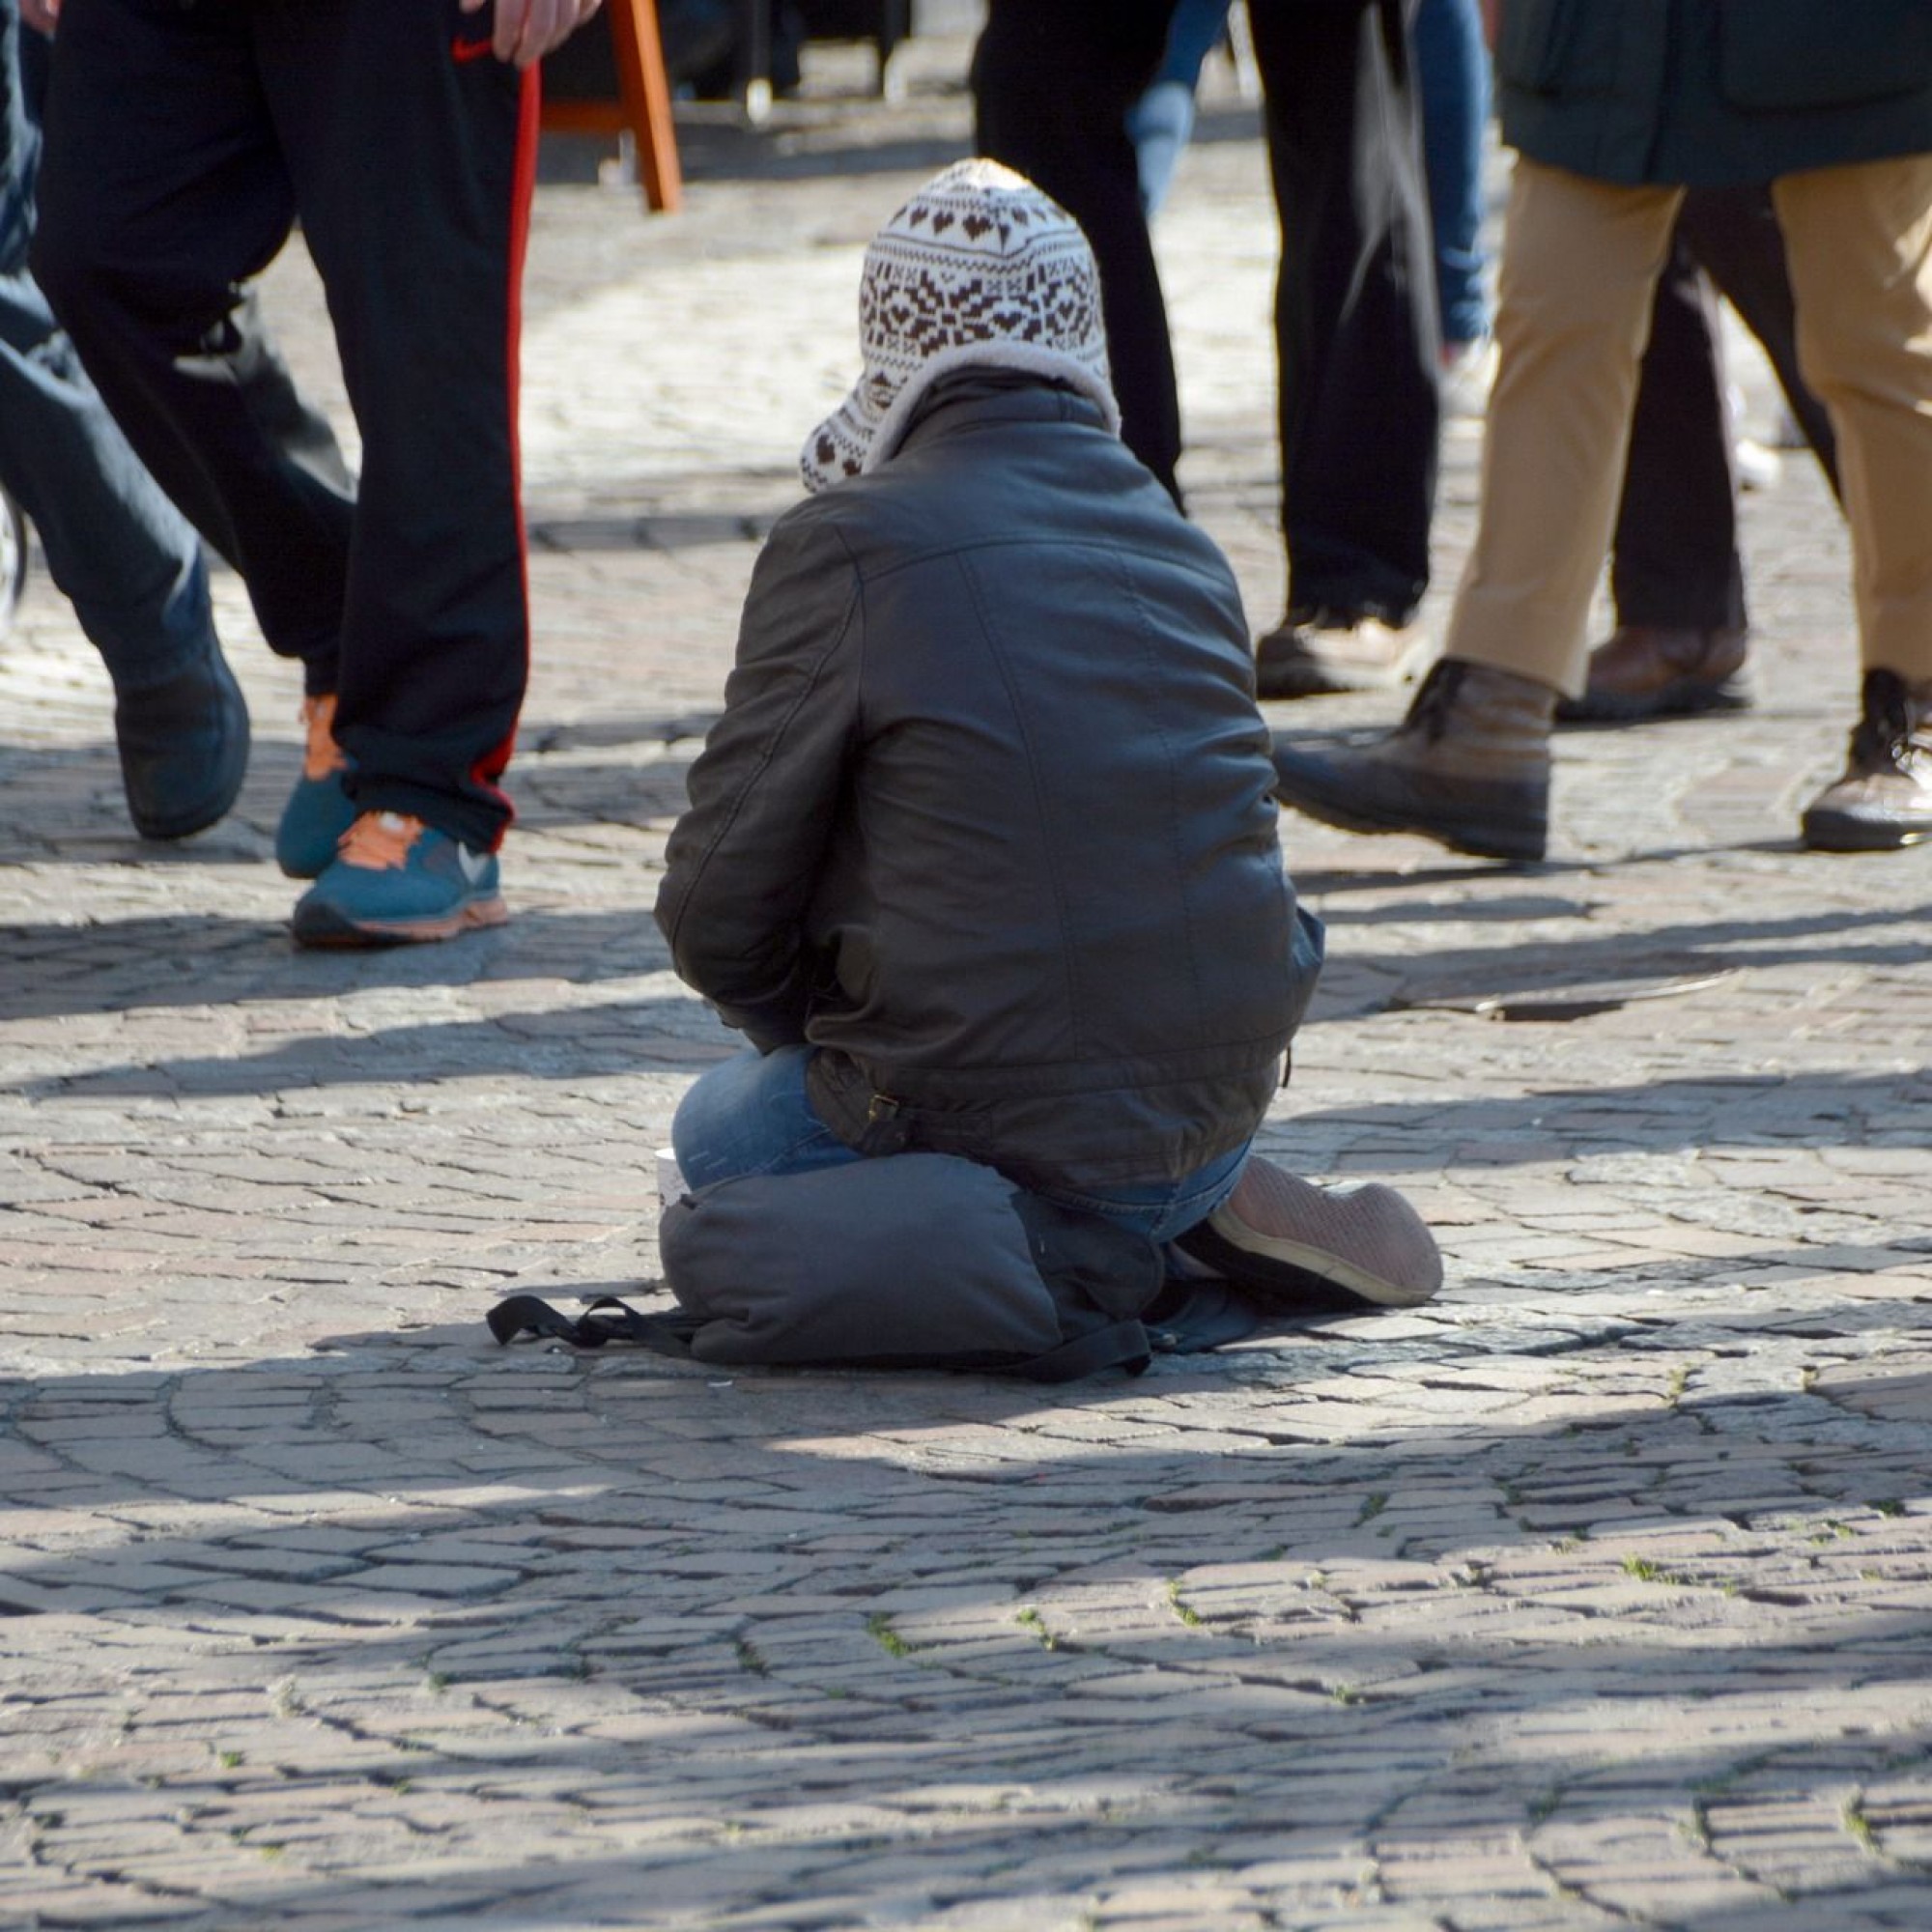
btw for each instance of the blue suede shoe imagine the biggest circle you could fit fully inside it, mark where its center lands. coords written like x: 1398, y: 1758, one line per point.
x: 396, y: 881
x: 319, y: 810
x: 184, y: 749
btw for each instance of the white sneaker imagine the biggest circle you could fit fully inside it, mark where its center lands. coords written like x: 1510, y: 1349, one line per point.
x: 1758, y: 467
x: 1468, y: 373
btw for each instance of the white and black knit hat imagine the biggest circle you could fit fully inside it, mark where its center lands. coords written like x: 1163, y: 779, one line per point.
x: 978, y: 270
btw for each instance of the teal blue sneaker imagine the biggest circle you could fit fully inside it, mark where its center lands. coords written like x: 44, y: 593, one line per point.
x: 395, y: 881
x: 319, y: 810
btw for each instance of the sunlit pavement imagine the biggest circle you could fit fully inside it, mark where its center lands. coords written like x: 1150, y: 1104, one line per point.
x: 1595, y: 1595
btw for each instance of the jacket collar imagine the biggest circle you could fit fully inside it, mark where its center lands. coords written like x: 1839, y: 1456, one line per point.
x: 977, y: 396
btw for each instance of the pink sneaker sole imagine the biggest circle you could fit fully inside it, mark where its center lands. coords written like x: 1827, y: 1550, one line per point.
x: 339, y: 931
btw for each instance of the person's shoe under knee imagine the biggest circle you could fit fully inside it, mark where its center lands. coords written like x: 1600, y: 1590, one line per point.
x: 1298, y: 1246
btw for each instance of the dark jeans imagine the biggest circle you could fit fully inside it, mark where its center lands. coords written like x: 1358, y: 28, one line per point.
x: 1053, y: 83
x: 182, y: 144
x: 1355, y: 324
x: 1675, y: 559
x: 115, y: 546
x: 1355, y: 327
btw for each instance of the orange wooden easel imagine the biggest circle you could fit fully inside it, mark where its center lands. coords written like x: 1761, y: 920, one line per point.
x: 642, y: 107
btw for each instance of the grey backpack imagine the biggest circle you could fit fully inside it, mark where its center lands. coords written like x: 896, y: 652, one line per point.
x: 918, y: 1261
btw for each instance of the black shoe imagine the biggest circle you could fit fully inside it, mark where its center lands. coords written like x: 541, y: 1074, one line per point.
x: 184, y: 749
x: 1884, y: 799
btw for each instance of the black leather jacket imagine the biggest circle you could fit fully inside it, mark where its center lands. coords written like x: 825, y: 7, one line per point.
x: 988, y: 816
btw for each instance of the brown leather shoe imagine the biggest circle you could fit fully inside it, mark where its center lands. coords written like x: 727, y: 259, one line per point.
x: 1315, y: 657
x: 1884, y: 799
x: 1654, y: 671
x: 1469, y: 767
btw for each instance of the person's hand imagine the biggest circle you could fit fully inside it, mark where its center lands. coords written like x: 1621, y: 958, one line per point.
x: 526, y: 30
x: 41, y: 14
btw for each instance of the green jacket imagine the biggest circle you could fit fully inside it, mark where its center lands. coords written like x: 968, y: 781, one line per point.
x: 1711, y: 92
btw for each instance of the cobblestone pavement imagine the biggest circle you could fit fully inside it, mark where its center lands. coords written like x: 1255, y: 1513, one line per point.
x: 1595, y: 1595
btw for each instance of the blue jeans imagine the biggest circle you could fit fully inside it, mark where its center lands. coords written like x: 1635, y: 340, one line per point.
x: 751, y: 1115
x: 1452, y: 67
x: 116, y: 547
x: 1160, y: 122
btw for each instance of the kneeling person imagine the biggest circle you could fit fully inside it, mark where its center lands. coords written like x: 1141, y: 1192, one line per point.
x: 982, y: 857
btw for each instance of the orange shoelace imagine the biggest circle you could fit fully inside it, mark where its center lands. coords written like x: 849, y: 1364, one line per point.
x: 321, y: 755
x: 379, y: 841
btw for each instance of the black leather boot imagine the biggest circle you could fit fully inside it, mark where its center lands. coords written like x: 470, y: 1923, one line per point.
x: 1884, y: 800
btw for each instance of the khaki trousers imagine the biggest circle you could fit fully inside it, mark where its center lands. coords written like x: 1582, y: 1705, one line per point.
x: 1581, y: 259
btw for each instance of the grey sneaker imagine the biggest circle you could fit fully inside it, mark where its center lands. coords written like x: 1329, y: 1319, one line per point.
x: 1468, y: 766
x: 1298, y: 1246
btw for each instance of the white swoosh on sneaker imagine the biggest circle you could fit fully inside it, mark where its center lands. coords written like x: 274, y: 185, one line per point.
x: 474, y: 864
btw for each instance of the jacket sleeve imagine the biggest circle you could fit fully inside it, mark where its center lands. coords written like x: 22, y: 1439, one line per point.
x: 744, y: 860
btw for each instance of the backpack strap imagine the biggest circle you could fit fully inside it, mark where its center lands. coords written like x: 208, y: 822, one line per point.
x: 1189, y: 1318
x: 531, y: 1315
x: 1118, y: 1345
x: 605, y: 1320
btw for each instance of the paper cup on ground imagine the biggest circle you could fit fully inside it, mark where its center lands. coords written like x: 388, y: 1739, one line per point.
x: 670, y: 1179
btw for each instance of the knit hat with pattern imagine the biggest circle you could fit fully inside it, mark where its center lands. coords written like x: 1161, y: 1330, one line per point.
x: 978, y: 269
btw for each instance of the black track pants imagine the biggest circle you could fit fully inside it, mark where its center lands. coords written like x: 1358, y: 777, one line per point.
x: 183, y: 138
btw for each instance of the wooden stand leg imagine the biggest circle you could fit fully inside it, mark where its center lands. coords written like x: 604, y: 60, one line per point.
x: 646, y: 98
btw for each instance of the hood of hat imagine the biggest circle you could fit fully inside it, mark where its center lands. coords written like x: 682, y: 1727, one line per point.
x: 978, y: 269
